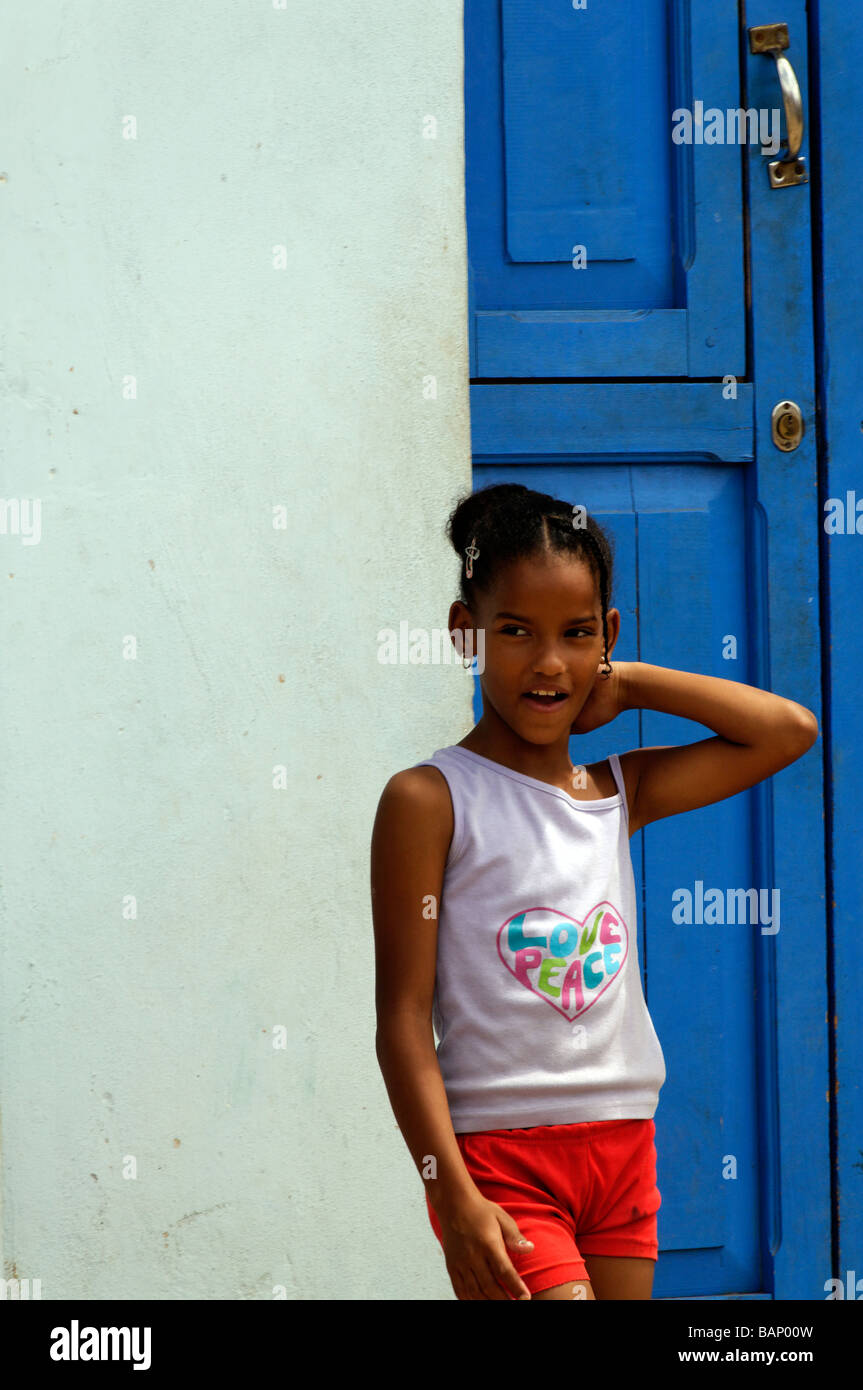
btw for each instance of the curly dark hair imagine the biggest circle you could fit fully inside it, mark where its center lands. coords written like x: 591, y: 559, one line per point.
x: 508, y: 521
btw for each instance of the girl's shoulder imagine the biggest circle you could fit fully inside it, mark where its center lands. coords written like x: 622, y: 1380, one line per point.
x: 419, y: 795
x: 414, y: 825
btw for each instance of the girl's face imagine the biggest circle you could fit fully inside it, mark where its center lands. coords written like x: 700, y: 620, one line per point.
x: 543, y: 631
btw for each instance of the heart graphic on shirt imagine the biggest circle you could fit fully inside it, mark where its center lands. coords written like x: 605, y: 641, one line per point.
x: 567, y: 963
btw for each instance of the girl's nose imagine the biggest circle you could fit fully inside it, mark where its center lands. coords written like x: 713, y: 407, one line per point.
x: 549, y: 663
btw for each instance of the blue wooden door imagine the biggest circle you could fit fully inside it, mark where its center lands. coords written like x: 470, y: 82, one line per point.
x: 638, y: 305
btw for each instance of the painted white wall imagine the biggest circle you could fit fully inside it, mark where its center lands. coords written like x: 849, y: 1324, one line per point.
x: 145, y: 1044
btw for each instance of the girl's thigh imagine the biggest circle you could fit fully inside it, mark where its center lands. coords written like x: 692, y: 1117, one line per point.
x: 620, y: 1276
x: 611, y: 1277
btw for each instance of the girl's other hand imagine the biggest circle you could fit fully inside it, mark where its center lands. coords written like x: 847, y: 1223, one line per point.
x: 475, y: 1235
x: 605, y: 702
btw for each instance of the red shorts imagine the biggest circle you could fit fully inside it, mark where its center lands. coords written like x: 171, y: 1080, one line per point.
x: 574, y: 1190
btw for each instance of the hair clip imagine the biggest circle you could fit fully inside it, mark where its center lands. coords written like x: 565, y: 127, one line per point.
x: 472, y: 554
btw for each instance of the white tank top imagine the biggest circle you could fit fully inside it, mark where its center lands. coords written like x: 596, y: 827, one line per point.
x: 538, y: 1005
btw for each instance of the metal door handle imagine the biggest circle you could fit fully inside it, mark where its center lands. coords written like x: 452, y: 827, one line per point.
x: 771, y: 39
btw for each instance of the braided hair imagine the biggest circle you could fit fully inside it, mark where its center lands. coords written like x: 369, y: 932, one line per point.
x: 507, y: 521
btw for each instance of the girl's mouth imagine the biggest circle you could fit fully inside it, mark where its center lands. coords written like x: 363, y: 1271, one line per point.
x: 545, y: 702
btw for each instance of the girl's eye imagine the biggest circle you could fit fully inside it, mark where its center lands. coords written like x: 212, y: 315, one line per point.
x: 514, y: 628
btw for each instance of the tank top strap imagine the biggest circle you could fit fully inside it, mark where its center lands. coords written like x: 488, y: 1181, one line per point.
x: 617, y: 774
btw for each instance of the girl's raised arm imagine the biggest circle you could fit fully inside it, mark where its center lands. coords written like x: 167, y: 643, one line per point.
x: 758, y: 733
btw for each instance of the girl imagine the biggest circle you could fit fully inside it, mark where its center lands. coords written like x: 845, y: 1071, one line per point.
x: 504, y: 914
